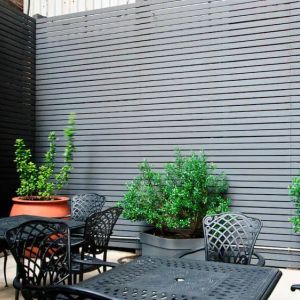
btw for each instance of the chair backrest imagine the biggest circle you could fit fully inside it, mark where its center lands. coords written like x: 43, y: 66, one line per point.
x: 98, y: 229
x: 73, y: 292
x: 85, y: 204
x: 230, y: 237
x: 41, y: 250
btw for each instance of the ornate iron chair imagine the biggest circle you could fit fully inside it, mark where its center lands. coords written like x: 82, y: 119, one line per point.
x: 72, y: 292
x: 98, y: 229
x: 85, y: 204
x: 41, y: 250
x: 5, y: 254
x: 230, y: 238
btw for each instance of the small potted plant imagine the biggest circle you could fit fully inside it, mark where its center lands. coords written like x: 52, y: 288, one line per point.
x: 175, y: 201
x: 294, y: 191
x: 38, y: 184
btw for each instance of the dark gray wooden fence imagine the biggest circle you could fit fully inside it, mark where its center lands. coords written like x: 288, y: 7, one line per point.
x: 17, y: 93
x: 222, y: 76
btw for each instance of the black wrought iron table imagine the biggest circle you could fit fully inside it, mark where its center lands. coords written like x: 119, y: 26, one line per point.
x: 184, y: 279
x: 11, y: 222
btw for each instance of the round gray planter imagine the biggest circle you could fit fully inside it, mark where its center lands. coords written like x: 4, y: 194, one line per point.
x: 159, y: 246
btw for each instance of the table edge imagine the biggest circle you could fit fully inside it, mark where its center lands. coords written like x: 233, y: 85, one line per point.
x: 272, y: 286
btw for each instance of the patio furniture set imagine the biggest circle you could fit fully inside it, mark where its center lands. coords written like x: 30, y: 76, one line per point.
x: 52, y: 253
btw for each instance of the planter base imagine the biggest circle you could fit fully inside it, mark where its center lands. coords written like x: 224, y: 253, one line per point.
x: 159, y: 246
x: 50, y: 208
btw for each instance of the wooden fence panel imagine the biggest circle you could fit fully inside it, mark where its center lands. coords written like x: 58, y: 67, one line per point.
x: 143, y: 78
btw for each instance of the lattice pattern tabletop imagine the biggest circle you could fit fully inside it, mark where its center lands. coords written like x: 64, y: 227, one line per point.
x: 167, y: 278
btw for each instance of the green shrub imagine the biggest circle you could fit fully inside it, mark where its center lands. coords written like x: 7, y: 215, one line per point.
x: 179, y: 197
x: 42, y: 181
x: 294, y: 191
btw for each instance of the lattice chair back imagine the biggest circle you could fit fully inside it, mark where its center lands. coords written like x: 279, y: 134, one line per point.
x: 85, y: 204
x: 98, y: 229
x: 42, y: 252
x: 230, y: 237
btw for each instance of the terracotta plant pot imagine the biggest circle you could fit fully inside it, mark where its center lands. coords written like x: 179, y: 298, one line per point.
x: 57, y: 208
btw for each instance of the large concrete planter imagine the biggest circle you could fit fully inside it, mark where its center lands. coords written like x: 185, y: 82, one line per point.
x: 160, y: 246
x: 58, y: 207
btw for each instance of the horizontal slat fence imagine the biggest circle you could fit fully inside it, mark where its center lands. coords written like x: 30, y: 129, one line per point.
x: 222, y: 76
x: 17, y: 97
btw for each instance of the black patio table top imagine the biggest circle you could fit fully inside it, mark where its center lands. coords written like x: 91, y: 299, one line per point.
x: 167, y: 278
x: 14, y: 221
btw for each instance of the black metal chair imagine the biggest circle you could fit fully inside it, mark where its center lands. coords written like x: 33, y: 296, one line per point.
x: 72, y: 292
x: 5, y: 254
x: 230, y: 238
x: 42, y: 252
x: 98, y: 229
x: 85, y: 204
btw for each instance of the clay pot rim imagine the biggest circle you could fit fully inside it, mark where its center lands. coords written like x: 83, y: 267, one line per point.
x: 56, y: 199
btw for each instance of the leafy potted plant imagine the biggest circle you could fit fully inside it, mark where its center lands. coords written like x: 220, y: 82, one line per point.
x: 175, y: 201
x: 294, y: 191
x: 38, y: 184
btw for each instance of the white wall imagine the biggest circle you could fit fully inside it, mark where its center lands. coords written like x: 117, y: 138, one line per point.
x: 50, y: 8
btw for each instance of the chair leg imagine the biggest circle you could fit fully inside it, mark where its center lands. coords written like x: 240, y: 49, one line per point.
x: 17, y: 292
x: 81, y: 276
x: 80, y: 273
x: 104, y: 259
x: 98, y: 268
x: 74, y: 278
x: 4, y: 267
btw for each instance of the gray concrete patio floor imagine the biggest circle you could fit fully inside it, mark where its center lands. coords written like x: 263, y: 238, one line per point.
x: 281, y: 292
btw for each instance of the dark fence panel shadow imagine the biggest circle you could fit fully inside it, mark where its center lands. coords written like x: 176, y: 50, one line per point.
x: 17, y: 93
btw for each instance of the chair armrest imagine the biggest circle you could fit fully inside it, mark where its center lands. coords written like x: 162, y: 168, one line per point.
x: 295, y: 287
x: 76, y: 240
x: 97, y: 262
x: 261, y: 260
x: 187, y: 252
x: 79, y: 235
x: 51, y: 292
